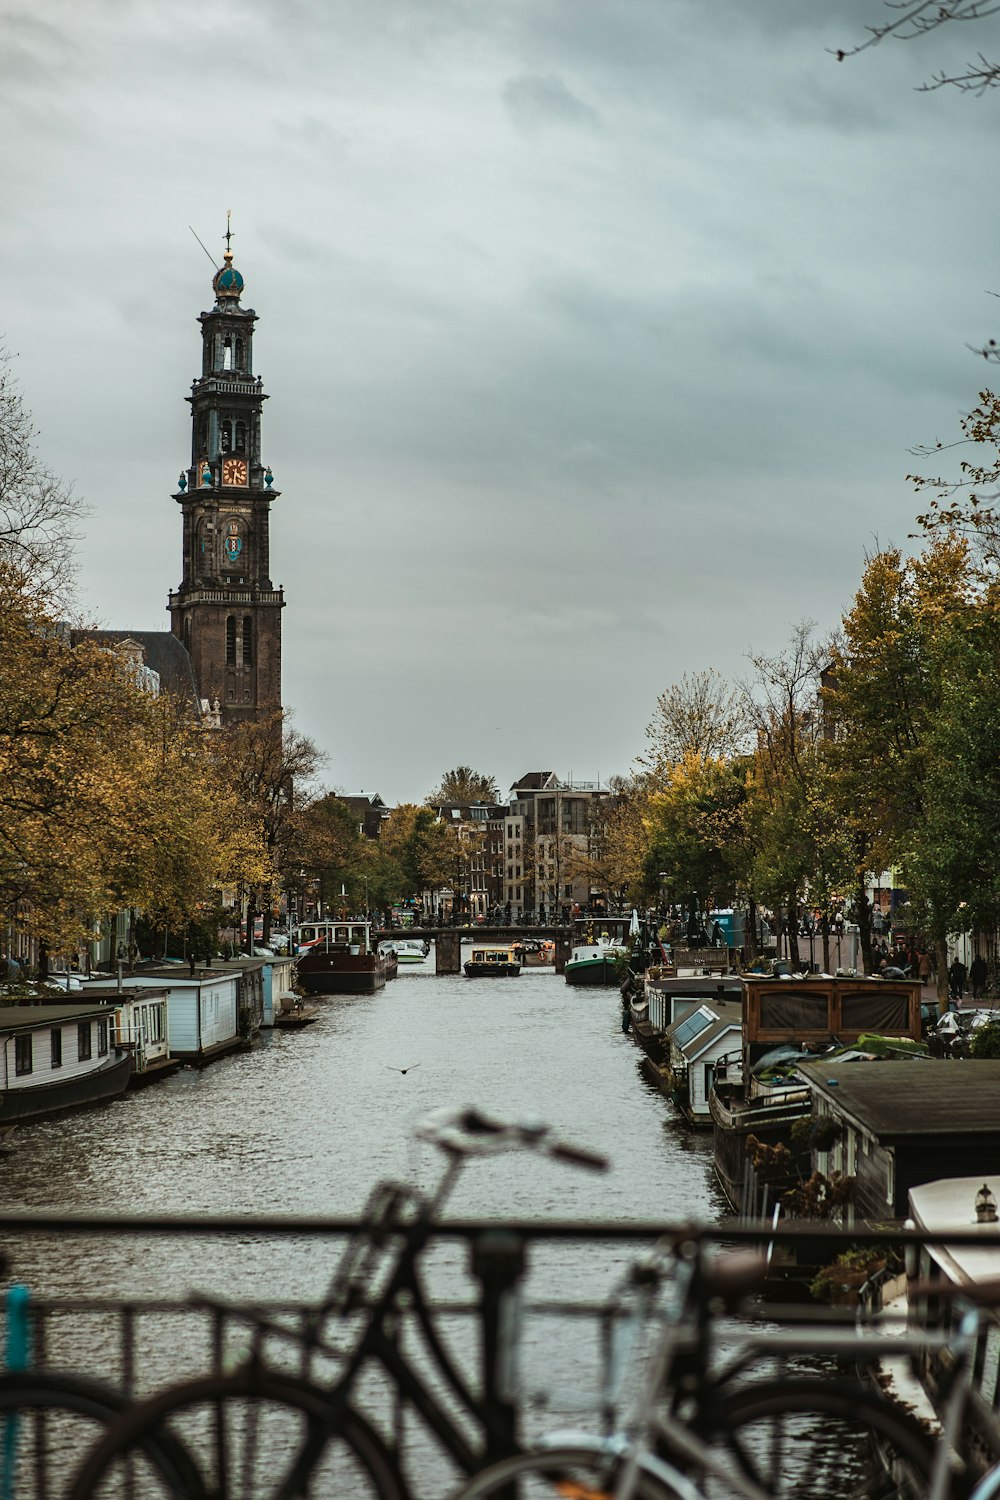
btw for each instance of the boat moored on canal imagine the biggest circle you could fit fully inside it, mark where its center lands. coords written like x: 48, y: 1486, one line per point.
x: 340, y: 958
x: 491, y: 961
x: 787, y: 1021
x: 55, y: 1058
x: 406, y: 950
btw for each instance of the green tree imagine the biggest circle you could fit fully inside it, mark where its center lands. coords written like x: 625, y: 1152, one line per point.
x: 462, y: 786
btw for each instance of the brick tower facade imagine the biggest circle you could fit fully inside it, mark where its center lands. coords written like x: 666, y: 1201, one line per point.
x: 226, y: 611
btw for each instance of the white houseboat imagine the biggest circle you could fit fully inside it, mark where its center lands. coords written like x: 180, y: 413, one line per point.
x: 57, y: 1057
x: 202, y: 1012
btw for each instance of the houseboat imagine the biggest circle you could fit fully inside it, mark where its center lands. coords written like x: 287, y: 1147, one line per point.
x: 491, y: 962
x: 57, y: 1057
x: 660, y: 999
x: 785, y: 1022
x: 895, y: 1125
x: 139, y: 1025
x: 709, y: 1036
x: 203, y: 1020
x: 967, y: 1206
x: 596, y: 961
x: 339, y: 958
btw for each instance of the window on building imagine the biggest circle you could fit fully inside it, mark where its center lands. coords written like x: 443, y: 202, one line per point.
x: 225, y: 436
x: 56, y: 1046
x: 247, y: 640
x: 102, y: 1038
x: 240, y: 442
x: 22, y: 1054
x: 231, y: 641
x: 240, y: 354
x: 227, y: 353
x: 84, y: 1043
x: 568, y: 889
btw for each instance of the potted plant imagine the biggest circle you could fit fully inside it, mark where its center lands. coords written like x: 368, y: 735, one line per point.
x: 839, y: 1281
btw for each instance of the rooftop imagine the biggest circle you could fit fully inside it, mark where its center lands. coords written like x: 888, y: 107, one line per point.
x: 18, y: 1017
x: 912, y: 1097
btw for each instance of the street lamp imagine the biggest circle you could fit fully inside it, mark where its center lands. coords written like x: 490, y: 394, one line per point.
x: 664, y: 880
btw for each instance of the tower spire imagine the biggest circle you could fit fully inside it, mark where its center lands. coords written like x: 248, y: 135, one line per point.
x: 228, y: 234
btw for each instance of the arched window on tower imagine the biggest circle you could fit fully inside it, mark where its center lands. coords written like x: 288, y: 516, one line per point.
x: 248, y: 640
x: 231, y: 641
x: 241, y: 437
x: 240, y: 355
x: 227, y: 353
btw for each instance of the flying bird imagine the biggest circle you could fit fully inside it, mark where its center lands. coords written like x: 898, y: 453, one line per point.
x: 409, y: 1069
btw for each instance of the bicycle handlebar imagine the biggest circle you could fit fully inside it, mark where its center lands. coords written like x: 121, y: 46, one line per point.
x: 466, y: 1131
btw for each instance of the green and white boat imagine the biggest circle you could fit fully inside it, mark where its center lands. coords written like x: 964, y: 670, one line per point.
x: 595, y: 962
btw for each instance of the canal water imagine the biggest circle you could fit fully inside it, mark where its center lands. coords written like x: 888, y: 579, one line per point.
x: 309, y: 1120
x: 305, y: 1124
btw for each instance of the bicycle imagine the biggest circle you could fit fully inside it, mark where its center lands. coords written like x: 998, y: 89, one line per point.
x: 49, y: 1417
x: 267, y: 1432
x: 690, y: 1433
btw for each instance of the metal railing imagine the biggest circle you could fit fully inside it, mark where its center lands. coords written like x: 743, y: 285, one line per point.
x: 142, y: 1341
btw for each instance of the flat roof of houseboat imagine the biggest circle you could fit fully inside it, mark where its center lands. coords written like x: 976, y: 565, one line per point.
x: 950, y: 1203
x: 14, y: 1017
x: 912, y: 1096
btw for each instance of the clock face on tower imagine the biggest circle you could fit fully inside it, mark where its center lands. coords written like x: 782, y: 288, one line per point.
x: 234, y: 471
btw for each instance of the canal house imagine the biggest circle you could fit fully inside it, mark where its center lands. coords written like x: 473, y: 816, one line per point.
x: 695, y: 1045
x: 140, y: 1025
x: 202, y: 1015
x: 895, y: 1125
x: 57, y: 1057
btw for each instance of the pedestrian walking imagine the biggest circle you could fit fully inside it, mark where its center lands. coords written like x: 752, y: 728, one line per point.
x: 923, y: 966
x: 956, y: 979
x: 977, y: 976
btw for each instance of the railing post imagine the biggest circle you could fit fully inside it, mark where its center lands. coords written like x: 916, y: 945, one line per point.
x: 498, y: 1265
x: 564, y: 947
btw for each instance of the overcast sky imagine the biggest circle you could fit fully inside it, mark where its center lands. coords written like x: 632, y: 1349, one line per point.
x: 595, y: 332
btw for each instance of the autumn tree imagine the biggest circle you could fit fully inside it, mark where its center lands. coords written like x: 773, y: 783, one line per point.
x: 425, y: 849
x: 702, y: 715
x: 783, y: 708
x: 335, y: 852
x: 271, y: 767
x: 918, y: 722
x: 462, y: 786
x: 108, y: 797
x: 689, y: 821
x: 40, y: 517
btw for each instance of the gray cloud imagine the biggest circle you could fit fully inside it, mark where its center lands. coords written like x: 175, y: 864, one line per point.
x: 595, y: 334
x: 535, y: 103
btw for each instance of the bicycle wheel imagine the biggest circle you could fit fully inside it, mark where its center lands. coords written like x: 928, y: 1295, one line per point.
x: 819, y: 1440
x: 570, y: 1473
x: 49, y: 1420
x: 253, y: 1435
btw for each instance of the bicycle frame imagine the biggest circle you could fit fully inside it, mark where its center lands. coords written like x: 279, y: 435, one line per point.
x: 404, y: 1292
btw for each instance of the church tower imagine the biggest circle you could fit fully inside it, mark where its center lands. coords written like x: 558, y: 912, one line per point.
x: 226, y: 611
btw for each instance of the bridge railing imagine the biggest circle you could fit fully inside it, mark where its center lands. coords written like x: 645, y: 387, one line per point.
x: 127, y: 1332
